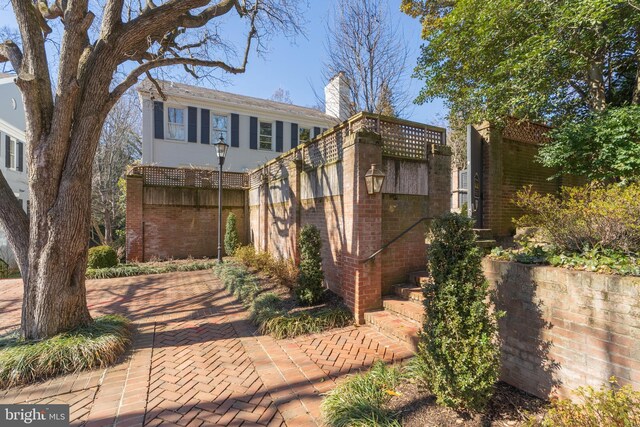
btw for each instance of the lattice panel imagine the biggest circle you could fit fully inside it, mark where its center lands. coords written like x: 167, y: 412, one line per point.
x: 180, y: 177
x: 255, y: 179
x: 526, y: 132
x: 327, y: 150
x: 399, y: 138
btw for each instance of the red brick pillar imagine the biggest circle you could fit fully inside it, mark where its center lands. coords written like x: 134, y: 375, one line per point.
x: 264, y: 213
x: 363, y: 225
x: 135, y: 219
x: 294, y: 169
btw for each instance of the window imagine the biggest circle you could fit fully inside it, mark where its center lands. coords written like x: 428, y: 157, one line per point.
x: 266, y: 135
x: 219, y: 126
x: 463, y: 180
x: 176, y: 123
x: 304, y: 135
x: 12, y: 154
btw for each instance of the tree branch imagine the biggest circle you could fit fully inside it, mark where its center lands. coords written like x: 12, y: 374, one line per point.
x: 144, y: 68
x: 16, y: 225
x: 10, y: 52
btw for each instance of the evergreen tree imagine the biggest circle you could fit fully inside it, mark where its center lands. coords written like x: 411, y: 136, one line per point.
x: 231, y: 237
x: 458, y: 346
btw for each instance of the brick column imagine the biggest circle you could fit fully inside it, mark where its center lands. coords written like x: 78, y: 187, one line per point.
x: 294, y: 169
x: 135, y: 218
x: 264, y: 214
x: 362, y: 282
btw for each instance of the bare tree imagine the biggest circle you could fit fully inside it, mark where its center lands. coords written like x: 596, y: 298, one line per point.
x: 120, y: 145
x: 281, y: 95
x: 366, y: 45
x: 98, y: 42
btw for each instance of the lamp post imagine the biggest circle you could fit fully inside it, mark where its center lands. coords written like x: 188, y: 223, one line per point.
x: 221, y: 152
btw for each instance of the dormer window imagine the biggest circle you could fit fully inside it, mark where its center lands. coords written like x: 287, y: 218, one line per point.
x: 176, y: 127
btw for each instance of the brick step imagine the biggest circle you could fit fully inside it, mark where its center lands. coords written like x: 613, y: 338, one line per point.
x: 419, y: 278
x: 394, y: 326
x: 409, y: 309
x: 483, y: 233
x: 409, y: 292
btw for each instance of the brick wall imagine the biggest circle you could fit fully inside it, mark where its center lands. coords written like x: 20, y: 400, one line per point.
x: 509, y: 162
x: 564, y: 329
x: 409, y: 253
x: 178, y: 222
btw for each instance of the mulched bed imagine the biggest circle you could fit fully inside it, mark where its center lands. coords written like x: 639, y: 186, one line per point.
x: 289, y: 301
x: 509, y: 407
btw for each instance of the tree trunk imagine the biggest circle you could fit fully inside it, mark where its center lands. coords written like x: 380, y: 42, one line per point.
x: 54, y: 290
x: 108, y: 228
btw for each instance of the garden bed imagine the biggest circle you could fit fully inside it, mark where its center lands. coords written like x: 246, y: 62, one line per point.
x: 508, y: 407
x: 159, y: 267
x: 274, y: 307
x: 96, y: 345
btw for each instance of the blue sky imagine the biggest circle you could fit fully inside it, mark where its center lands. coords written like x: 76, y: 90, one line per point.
x: 296, y: 65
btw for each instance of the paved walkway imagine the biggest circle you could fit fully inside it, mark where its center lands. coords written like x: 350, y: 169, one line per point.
x: 197, y: 361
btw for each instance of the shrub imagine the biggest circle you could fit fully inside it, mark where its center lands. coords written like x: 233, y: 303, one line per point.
x: 284, y: 271
x: 598, y: 260
x: 585, y: 217
x: 237, y: 280
x: 265, y: 307
x: 608, y: 406
x: 102, y: 257
x: 458, y: 344
x: 310, y: 289
x: 98, y: 344
x: 601, y: 146
x: 231, y: 237
x: 246, y: 255
x: 360, y: 400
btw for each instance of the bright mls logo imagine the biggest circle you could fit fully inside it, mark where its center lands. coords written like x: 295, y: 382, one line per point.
x: 34, y: 415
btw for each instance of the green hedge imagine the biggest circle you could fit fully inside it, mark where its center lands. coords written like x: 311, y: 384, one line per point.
x: 102, y: 257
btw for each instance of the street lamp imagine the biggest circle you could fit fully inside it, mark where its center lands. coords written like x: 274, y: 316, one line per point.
x: 374, y: 179
x: 221, y: 152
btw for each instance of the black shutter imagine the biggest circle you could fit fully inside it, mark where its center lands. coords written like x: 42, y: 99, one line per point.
x: 253, y: 133
x: 279, y: 136
x: 205, y: 126
x: 235, y: 130
x: 294, y: 135
x: 316, y: 131
x: 7, y: 151
x: 20, y: 154
x: 192, y: 120
x: 158, y: 120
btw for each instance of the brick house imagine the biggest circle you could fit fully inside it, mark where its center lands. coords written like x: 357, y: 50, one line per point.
x: 180, y: 131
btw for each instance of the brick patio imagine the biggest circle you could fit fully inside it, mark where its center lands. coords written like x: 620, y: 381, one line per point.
x: 197, y: 361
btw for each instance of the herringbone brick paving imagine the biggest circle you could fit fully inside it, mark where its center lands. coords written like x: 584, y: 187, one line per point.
x: 197, y: 361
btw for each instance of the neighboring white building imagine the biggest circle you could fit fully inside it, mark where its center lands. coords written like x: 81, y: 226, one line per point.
x: 180, y: 131
x: 12, y: 148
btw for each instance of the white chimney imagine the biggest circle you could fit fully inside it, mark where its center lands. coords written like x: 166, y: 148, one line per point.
x: 336, y: 97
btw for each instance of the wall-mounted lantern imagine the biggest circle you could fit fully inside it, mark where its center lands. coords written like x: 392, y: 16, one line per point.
x: 374, y: 179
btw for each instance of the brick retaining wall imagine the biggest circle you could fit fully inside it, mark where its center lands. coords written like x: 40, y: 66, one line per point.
x: 564, y: 328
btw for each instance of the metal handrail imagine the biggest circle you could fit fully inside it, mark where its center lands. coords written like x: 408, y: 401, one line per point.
x: 392, y: 241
